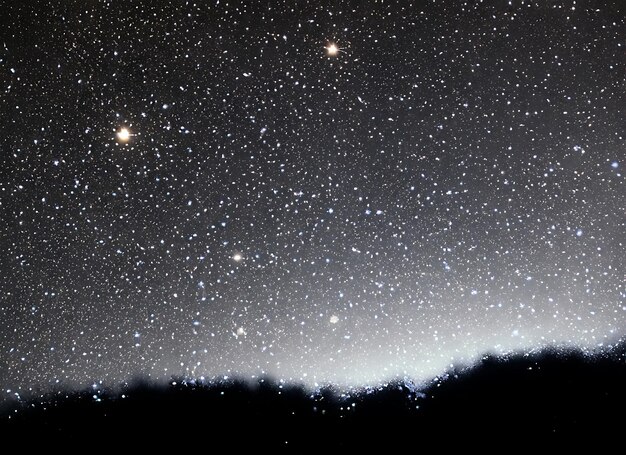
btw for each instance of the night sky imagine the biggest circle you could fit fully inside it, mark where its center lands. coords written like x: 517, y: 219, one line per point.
x: 340, y: 192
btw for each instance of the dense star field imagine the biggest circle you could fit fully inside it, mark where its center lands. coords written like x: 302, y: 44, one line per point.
x: 342, y: 192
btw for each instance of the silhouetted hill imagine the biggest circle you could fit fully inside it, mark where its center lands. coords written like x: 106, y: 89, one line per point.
x: 559, y: 396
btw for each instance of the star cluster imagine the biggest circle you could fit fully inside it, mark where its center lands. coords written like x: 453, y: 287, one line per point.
x: 342, y: 192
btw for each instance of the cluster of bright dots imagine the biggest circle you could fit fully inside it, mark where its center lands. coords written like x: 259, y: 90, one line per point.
x: 325, y: 197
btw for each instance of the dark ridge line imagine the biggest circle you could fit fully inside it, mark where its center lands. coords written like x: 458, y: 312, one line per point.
x: 549, y: 394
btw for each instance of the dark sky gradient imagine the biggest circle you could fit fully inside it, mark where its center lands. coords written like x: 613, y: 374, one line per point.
x: 451, y: 183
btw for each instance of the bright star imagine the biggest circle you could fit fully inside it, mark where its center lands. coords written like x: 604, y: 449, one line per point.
x: 237, y: 257
x: 123, y: 135
x: 332, y: 49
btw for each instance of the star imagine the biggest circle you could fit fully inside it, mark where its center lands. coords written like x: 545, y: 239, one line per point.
x: 334, y: 319
x: 332, y: 49
x: 123, y: 135
x: 237, y: 257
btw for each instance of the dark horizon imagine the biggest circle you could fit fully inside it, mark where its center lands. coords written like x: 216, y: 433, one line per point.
x: 554, y: 395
